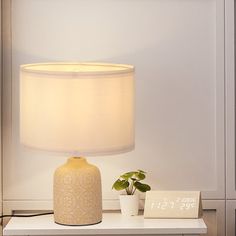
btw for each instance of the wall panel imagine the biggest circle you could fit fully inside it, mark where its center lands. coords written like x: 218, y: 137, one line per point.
x: 5, y: 85
x: 230, y: 118
x: 230, y: 102
x: 179, y: 88
x: 230, y: 217
x: 214, y: 217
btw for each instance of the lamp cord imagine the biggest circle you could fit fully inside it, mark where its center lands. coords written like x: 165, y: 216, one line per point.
x: 32, y: 215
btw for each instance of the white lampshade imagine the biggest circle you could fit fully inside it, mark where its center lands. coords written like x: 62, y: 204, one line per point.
x: 87, y: 108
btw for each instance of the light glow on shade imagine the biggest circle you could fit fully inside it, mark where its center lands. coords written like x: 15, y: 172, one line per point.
x: 77, y: 68
x: 86, y: 108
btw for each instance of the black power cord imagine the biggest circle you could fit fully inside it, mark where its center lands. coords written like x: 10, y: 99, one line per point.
x: 32, y: 215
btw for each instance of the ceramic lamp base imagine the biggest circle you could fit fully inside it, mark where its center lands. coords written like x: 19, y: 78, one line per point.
x: 77, y: 193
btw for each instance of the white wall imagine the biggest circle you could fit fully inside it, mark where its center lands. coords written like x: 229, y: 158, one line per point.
x: 177, y: 47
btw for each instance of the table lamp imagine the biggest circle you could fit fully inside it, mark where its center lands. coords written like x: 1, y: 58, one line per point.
x: 85, y: 109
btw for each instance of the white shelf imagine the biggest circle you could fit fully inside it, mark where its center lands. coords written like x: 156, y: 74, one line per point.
x: 113, y: 223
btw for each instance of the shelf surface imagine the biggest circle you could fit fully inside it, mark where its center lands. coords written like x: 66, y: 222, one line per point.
x: 112, y: 223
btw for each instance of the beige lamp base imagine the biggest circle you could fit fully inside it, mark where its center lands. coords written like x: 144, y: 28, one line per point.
x: 77, y: 193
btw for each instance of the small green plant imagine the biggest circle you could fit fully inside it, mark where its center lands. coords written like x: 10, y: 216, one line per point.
x: 130, y: 181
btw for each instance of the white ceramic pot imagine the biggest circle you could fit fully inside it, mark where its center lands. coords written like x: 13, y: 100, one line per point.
x: 129, y: 205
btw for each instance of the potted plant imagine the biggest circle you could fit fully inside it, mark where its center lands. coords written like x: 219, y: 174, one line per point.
x: 130, y: 182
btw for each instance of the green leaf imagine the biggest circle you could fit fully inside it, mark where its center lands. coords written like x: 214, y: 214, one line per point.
x: 142, y: 171
x: 128, y: 175
x: 142, y: 187
x: 120, y: 184
x: 140, y: 175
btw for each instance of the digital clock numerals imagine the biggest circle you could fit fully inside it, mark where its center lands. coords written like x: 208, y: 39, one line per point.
x: 187, y: 203
x: 163, y: 204
x: 179, y: 203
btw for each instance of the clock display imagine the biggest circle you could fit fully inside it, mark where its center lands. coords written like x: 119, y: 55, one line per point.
x: 172, y: 204
x: 182, y: 204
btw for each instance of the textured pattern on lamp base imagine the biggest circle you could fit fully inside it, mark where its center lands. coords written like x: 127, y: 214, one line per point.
x: 77, y: 193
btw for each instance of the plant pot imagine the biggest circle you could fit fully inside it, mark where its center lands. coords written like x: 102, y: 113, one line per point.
x: 129, y: 205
